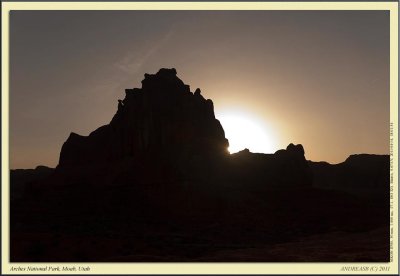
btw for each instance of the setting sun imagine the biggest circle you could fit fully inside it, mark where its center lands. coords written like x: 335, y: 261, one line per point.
x: 243, y: 131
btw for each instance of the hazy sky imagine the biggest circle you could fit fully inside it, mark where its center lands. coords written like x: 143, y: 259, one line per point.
x: 319, y: 78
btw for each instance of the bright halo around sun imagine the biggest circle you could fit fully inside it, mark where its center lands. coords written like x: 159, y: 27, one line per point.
x: 243, y: 131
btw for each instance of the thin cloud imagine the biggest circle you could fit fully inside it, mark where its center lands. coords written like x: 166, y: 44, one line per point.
x: 133, y: 61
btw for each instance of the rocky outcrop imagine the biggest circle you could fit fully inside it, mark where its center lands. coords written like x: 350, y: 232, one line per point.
x: 163, y: 118
x: 292, y: 166
x: 286, y: 168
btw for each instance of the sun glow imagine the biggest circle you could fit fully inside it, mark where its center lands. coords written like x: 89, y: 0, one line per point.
x: 243, y: 131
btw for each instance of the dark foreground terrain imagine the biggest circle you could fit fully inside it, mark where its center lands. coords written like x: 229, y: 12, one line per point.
x: 157, y: 185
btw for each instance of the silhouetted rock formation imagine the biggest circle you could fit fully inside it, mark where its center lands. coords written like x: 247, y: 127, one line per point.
x: 163, y: 132
x: 163, y: 119
x: 157, y: 184
x: 295, y: 169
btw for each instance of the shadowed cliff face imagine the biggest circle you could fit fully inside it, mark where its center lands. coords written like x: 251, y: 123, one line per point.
x: 163, y: 119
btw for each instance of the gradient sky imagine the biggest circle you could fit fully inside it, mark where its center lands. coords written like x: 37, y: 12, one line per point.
x: 319, y: 78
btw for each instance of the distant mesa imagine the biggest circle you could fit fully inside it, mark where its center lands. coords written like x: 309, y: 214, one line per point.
x: 366, y: 172
x: 21, y: 177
